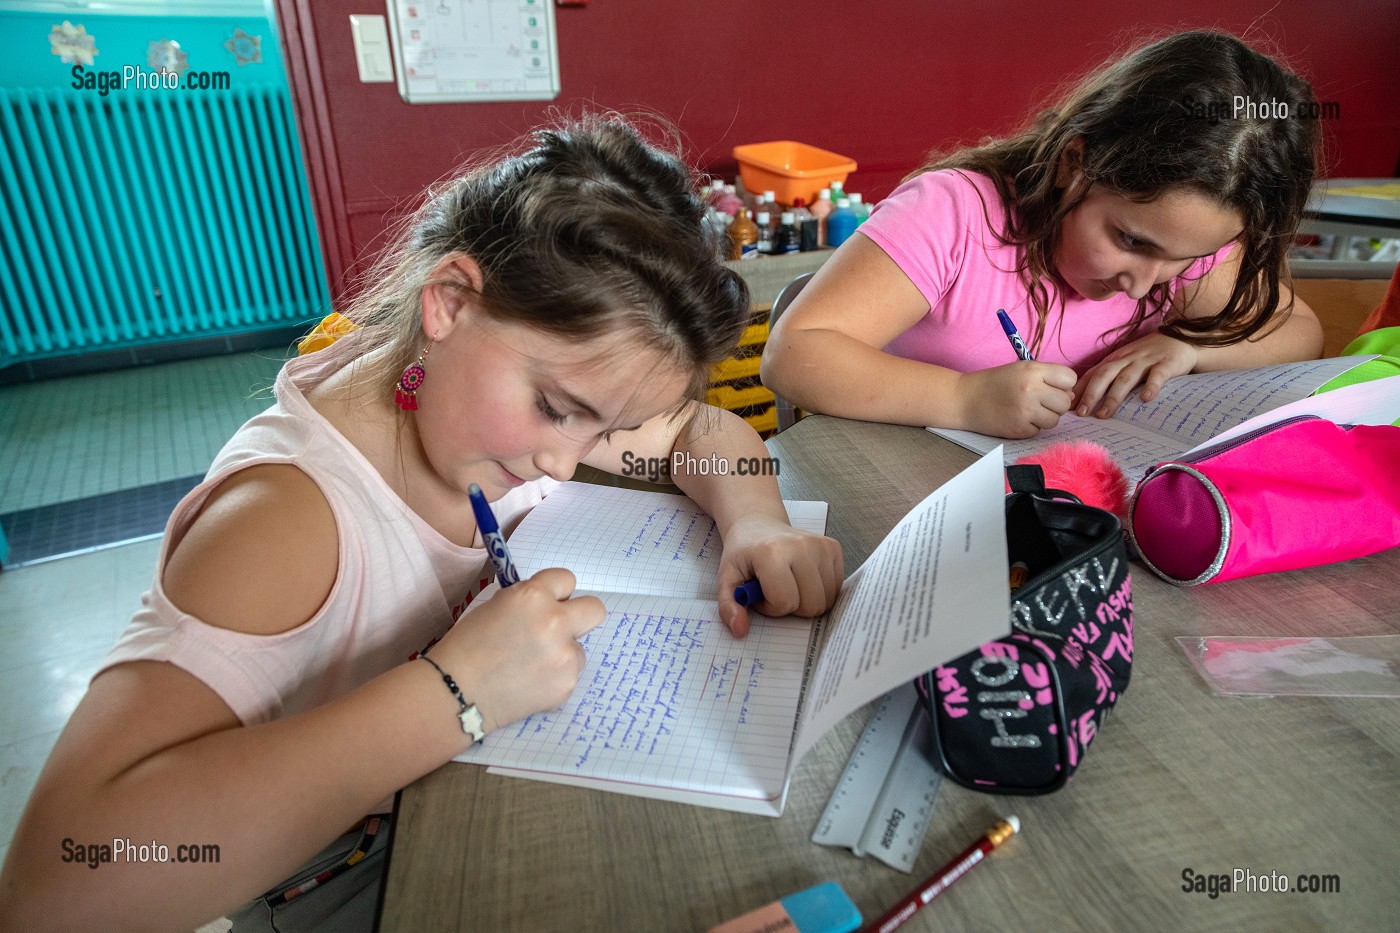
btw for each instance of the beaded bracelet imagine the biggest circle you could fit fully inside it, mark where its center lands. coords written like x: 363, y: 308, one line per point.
x: 472, y: 723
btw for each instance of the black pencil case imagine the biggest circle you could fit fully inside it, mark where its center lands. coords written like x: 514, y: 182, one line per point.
x: 1017, y: 715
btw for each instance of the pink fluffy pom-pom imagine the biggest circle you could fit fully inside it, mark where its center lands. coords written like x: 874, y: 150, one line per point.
x: 1085, y: 469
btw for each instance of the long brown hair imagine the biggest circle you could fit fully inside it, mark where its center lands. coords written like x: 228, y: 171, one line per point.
x: 1162, y: 118
x: 588, y: 228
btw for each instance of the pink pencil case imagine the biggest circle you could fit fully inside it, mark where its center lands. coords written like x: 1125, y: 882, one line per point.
x: 1297, y: 493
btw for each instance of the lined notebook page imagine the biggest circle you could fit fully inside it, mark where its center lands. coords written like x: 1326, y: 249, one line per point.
x: 627, y: 541
x: 670, y: 699
x: 1190, y: 411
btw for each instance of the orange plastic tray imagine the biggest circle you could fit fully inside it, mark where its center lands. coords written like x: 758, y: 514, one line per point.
x: 790, y: 169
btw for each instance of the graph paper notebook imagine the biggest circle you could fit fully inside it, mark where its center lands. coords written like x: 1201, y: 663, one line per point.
x: 672, y: 706
x: 1190, y: 411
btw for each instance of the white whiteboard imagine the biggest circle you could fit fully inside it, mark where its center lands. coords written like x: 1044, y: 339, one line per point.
x: 474, y: 50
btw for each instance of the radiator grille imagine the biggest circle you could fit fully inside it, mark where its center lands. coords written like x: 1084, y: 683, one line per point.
x: 150, y: 216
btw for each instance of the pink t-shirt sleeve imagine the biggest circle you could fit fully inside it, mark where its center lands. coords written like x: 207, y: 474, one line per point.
x: 924, y: 226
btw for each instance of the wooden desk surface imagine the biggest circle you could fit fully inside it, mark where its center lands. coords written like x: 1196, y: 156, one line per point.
x: 1178, y: 779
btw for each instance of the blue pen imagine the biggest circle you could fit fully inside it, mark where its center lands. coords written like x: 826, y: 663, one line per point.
x: 491, y: 534
x: 748, y: 594
x: 1014, y: 336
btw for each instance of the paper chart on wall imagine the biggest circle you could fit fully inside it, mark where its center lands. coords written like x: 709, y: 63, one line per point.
x: 474, y: 50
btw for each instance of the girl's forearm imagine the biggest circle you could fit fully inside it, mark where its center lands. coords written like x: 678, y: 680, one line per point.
x: 269, y: 796
x: 829, y: 372
x: 706, y: 465
x: 1298, y: 338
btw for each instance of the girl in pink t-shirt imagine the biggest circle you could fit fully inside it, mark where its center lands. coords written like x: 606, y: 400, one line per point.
x: 562, y: 306
x: 1135, y: 232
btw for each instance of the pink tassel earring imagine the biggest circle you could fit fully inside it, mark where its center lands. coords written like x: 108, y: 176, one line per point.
x: 406, y: 392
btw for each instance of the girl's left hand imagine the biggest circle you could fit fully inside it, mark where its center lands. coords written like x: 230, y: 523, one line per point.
x: 800, y: 572
x: 1149, y: 361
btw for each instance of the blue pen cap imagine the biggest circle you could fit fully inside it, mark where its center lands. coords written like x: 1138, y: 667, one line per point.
x: 822, y: 909
x: 748, y: 594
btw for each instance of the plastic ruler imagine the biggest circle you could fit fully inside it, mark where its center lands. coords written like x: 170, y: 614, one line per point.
x: 884, y: 800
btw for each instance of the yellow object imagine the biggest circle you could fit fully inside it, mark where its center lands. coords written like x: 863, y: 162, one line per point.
x: 332, y: 327
x: 790, y: 169
x: 735, y: 369
x: 732, y: 398
x: 754, y: 335
x: 1389, y: 190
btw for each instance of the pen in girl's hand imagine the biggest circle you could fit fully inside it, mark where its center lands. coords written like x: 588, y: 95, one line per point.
x: 491, y: 535
x: 1013, y: 335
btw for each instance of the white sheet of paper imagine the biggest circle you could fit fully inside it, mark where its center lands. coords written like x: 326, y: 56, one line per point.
x: 1191, y: 410
x: 933, y: 590
x: 1374, y: 402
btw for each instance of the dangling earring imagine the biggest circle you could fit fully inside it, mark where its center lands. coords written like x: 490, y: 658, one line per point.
x: 406, y: 392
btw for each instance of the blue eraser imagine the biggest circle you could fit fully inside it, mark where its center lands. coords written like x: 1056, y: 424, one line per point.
x: 822, y: 909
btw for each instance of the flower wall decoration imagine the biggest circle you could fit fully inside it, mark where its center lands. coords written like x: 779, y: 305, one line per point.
x: 167, y: 54
x: 246, y: 49
x: 73, y: 44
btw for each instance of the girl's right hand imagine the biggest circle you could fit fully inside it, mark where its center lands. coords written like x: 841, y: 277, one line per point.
x: 518, y: 653
x: 1016, y: 400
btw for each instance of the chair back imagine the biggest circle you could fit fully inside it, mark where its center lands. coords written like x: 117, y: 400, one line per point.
x: 787, y: 415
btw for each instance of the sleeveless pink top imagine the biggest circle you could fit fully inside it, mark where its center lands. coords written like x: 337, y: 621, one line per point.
x: 399, y: 585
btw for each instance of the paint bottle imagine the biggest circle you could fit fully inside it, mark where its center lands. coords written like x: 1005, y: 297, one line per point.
x: 806, y: 225
x: 786, y: 239
x: 724, y: 198
x: 821, y: 210
x: 841, y: 224
x: 859, y: 207
x: 719, y: 220
x: 765, y: 233
x: 775, y: 209
x: 743, y: 236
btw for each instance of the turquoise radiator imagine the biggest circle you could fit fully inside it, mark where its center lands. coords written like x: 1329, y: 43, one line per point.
x: 140, y: 218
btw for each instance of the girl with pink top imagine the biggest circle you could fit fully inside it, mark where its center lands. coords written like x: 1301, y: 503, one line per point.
x: 560, y: 306
x: 1134, y: 232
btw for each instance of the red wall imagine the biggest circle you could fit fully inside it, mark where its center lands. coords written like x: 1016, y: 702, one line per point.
x: 882, y: 85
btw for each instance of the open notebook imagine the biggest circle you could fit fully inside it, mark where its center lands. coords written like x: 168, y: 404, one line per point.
x: 672, y: 706
x: 1190, y: 411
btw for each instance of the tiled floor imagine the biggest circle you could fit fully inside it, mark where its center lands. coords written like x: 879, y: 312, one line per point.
x: 86, y: 436
x: 66, y: 439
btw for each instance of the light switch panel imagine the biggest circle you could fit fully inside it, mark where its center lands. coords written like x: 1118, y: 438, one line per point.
x: 371, y: 48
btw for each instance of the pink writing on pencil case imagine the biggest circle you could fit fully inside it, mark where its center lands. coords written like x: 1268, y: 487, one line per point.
x: 1298, y: 493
